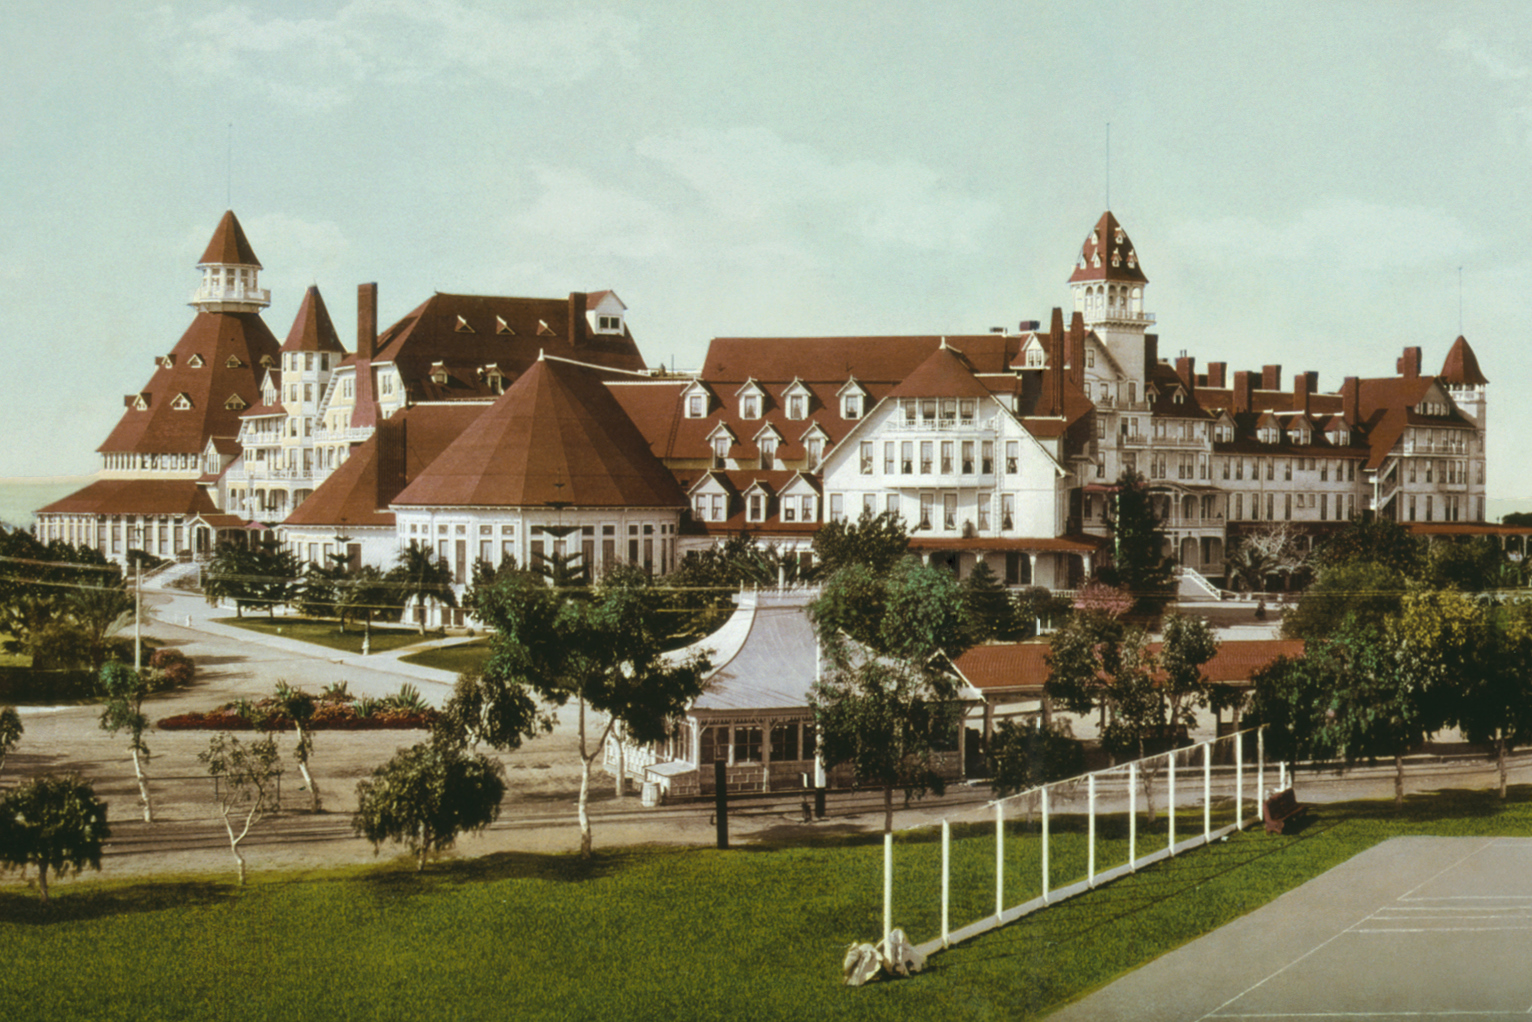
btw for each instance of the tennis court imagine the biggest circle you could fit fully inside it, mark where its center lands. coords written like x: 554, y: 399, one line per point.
x: 1415, y: 928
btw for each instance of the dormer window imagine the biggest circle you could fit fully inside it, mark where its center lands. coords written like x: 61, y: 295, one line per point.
x: 233, y: 362
x: 167, y: 361
x: 493, y: 377
x: 267, y: 362
x: 1178, y: 397
x: 182, y: 403
x: 608, y: 325
x: 1223, y: 433
x: 439, y: 374
x: 696, y: 406
x: 797, y: 407
x: 750, y: 406
x: 851, y: 406
x: 462, y: 326
x: 235, y: 403
x: 543, y: 329
x: 1036, y: 359
x: 1116, y: 257
x: 502, y: 328
x: 768, y: 448
x: 755, y: 507
x: 195, y: 362
x: 720, y: 450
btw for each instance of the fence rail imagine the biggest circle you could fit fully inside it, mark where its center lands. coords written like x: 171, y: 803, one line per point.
x: 1089, y: 833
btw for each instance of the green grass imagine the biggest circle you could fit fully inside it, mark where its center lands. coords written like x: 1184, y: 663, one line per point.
x: 459, y: 658
x: 326, y: 632
x: 656, y: 934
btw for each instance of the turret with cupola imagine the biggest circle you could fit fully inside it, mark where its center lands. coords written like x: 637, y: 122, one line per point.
x: 230, y: 273
x: 1108, y: 284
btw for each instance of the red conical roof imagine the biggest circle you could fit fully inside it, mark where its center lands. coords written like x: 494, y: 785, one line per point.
x: 229, y: 245
x: 1461, y: 367
x: 558, y: 424
x: 312, y: 329
x: 1108, y: 254
x: 945, y: 373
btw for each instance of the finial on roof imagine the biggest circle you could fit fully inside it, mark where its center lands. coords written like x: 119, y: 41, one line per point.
x: 944, y: 343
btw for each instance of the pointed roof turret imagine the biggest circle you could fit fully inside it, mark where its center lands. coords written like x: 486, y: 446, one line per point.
x: 230, y: 272
x: 312, y: 329
x: 1108, y: 254
x: 229, y: 246
x: 1461, y: 369
x: 557, y: 434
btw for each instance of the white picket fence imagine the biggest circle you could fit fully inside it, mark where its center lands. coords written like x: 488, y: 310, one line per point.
x: 1212, y: 775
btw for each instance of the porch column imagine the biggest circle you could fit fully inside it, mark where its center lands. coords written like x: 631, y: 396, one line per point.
x: 766, y: 729
x: 963, y: 744
x: 1031, y: 569
x: 989, y: 720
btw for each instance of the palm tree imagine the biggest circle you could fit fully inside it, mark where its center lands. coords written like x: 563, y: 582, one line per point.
x: 420, y: 576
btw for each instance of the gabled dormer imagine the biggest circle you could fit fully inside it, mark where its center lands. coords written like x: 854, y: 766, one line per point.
x: 798, y: 400
x: 1223, y: 427
x: 767, y: 440
x: 798, y: 500
x: 270, y: 391
x: 757, y: 497
x: 138, y: 402
x: 605, y: 314
x: 853, y: 399
x: 711, y: 497
x: 182, y: 402
x: 1337, y: 432
x: 493, y: 378
x: 720, y: 442
x: 1301, y: 431
x: 439, y: 374
x: 696, y: 400
x: 814, y: 440
x: 1033, y: 354
x: 1268, y: 430
x: 166, y: 361
x: 751, y: 397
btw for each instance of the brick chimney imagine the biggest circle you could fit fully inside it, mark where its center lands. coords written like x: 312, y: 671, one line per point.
x: 390, y: 465
x: 1271, y: 377
x: 1077, y: 350
x: 365, y: 412
x: 1409, y: 363
x: 1186, y: 368
x: 1242, y: 386
x: 1305, y: 385
x: 1351, y: 400
x: 1218, y: 375
x: 1151, y: 354
x: 1054, y: 378
x: 578, y: 334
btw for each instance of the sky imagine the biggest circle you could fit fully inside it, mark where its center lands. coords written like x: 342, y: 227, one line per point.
x: 1316, y: 185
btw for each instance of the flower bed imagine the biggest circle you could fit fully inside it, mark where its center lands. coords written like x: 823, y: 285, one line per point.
x: 335, y: 710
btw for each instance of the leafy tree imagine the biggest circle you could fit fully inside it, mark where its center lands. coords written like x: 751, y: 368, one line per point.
x: 600, y: 651
x: 1522, y: 518
x: 10, y: 731
x: 367, y: 593
x: 886, y: 704
x: 1139, y: 564
x: 1469, y: 564
x: 1473, y: 662
x: 420, y: 575
x: 59, y: 602
x: 1356, y: 594
x: 265, y: 576
x: 1038, y: 608
x: 298, y: 706
x: 123, y: 710
x: 1376, y: 541
x: 1022, y: 757
x: 699, y: 591
x: 990, y: 610
x: 244, y: 776
x: 1289, y: 696
x: 319, y: 592
x: 53, y: 823
x: 877, y: 542
x: 425, y: 796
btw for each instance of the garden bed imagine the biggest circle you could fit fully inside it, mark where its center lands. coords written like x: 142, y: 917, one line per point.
x: 334, y: 710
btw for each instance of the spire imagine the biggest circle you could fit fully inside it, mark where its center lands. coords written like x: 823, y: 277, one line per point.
x: 1461, y: 369
x: 230, y: 272
x: 1108, y: 254
x: 312, y: 329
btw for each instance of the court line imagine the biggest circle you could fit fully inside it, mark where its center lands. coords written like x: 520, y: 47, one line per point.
x: 1318, y: 947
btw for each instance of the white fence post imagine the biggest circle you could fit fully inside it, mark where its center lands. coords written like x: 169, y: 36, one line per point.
x: 1090, y: 857
x: 999, y: 858
x: 888, y: 884
x: 946, y: 878
x: 1260, y: 766
x: 1045, y: 846
x: 1239, y: 781
x: 1170, y: 800
x: 1281, y: 775
x: 1133, y: 816
x: 1207, y: 791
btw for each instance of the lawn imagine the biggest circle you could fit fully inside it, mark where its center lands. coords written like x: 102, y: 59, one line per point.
x: 459, y: 658
x: 667, y: 934
x: 326, y: 632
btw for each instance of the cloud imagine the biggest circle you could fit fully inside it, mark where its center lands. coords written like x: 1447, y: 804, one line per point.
x: 321, y: 63
x: 753, y: 176
x: 1500, y: 66
x: 1332, y: 236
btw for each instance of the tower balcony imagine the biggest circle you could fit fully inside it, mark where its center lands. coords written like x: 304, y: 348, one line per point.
x: 235, y: 297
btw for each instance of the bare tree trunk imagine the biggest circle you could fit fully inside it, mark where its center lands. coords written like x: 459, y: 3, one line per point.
x: 584, y: 810
x: 1398, y: 781
x: 303, y: 768
x: 143, y: 788
x: 622, y: 763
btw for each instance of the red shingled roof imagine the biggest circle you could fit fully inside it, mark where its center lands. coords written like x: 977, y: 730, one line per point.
x: 212, y: 339
x: 135, y: 497
x: 825, y: 359
x: 229, y: 245
x: 1462, y: 367
x: 944, y: 373
x: 312, y: 329
x: 557, y: 424
x: 465, y: 333
x: 1108, y: 255
x: 359, y: 491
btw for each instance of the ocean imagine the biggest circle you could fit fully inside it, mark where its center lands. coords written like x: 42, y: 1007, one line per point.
x: 19, y: 497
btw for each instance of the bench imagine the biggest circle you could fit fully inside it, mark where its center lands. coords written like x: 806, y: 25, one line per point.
x: 1280, y: 808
